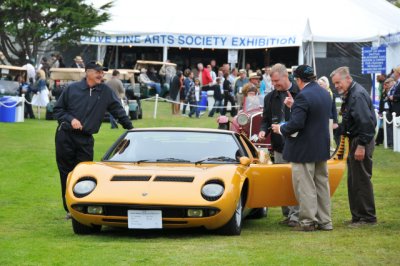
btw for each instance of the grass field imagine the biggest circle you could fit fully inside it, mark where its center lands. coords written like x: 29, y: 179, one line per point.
x: 33, y: 230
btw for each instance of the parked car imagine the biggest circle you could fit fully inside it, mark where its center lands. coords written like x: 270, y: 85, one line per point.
x: 248, y: 122
x: 180, y: 178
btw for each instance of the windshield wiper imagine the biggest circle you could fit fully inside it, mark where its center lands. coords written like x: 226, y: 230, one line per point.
x: 172, y: 160
x: 141, y: 161
x: 219, y: 159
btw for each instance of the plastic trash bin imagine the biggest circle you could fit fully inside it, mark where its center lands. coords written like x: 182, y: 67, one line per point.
x: 203, y: 101
x: 7, y: 109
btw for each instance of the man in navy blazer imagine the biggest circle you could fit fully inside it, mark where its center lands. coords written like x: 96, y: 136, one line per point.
x: 307, y: 147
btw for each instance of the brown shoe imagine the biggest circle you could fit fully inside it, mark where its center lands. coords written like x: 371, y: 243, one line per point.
x: 304, y: 228
x: 292, y: 223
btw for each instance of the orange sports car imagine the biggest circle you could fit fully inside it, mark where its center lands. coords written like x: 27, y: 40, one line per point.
x: 180, y: 178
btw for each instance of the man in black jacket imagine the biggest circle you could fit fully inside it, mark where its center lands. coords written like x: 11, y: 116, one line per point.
x: 358, y: 123
x: 276, y: 111
x: 80, y: 111
x: 307, y: 148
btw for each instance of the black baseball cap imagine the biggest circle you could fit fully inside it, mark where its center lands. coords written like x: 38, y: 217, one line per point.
x: 96, y: 66
x: 304, y: 72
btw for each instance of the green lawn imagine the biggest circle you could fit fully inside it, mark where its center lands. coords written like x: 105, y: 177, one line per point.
x: 33, y: 230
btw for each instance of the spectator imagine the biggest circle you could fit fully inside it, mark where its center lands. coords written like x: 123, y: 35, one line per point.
x: 146, y: 80
x: 359, y: 123
x: 307, y: 148
x: 116, y: 85
x: 193, y: 97
x: 217, y: 98
x: 54, y: 61
x: 187, y: 83
x: 30, y: 69
x: 80, y: 111
x: 78, y: 62
x: 174, y: 92
x: 204, y: 77
x: 275, y: 112
x: 394, y: 94
x: 26, y: 90
x: 386, y: 106
x: 333, y: 120
x: 228, y: 96
x: 167, y: 73
x: 239, y: 84
x: 266, y: 85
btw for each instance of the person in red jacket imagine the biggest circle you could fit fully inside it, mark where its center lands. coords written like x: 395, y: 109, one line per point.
x: 204, y: 76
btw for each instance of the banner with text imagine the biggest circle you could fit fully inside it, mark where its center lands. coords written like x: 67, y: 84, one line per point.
x: 193, y: 41
x: 373, y: 60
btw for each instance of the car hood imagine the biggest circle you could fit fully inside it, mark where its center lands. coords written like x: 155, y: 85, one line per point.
x: 152, y: 184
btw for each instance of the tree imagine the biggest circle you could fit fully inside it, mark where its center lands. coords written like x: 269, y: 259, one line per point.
x: 27, y: 24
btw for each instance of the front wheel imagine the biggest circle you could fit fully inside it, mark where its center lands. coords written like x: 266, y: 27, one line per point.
x: 81, y: 229
x: 234, y: 226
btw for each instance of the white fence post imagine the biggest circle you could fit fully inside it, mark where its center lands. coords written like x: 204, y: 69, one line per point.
x: 155, y: 107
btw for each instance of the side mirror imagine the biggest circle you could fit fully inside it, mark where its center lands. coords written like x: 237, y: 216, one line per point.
x: 245, y: 161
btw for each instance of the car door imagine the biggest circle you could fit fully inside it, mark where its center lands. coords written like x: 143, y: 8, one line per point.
x: 271, y: 185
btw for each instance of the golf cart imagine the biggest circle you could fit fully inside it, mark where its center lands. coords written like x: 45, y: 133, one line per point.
x: 153, y: 71
x: 8, y: 83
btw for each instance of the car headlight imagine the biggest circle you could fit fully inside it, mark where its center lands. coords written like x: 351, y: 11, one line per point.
x: 212, y: 190
x: 84, y: 187
x: 242, y: 119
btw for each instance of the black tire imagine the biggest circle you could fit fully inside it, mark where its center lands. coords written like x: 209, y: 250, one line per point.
x: 140, y: 116
x: 234, y: 226
x: 81, y: 229
x: 258, y: 213
x: 133, y: 115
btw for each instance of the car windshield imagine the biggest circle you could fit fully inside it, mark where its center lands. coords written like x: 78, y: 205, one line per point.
x: 253, y: 102
x: 176, y: 147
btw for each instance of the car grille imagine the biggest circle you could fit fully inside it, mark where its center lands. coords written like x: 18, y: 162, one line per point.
x: 185, y: 179
x: 188, y: 179
x: 130, y: 178
x: 167, y: 211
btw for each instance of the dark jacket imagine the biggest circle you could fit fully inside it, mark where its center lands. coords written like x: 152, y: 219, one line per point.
x: 396, y: 99
x: 175, y: 87
x: 310, y: 121
x: 275, y: 111
x: 359, y: 119
x: 89, y: 105
x: 217, y: 92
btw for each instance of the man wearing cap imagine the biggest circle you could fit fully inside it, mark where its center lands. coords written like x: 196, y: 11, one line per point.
x: 307, y: 147
x: 358, y: 123
x: 80, y: 111
x: 239, y: 84
x: 252, y: 86
x: 78, y: 62
x: 277, y: 109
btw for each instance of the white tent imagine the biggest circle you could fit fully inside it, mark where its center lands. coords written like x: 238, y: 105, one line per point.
x: 244, y: 25
x: 330, y: 21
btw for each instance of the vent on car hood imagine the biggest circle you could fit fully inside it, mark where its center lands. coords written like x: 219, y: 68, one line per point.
x: 174, y: 178
x: 131, y: 178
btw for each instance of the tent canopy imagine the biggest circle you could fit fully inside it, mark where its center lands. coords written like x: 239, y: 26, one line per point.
x: 258, y: 24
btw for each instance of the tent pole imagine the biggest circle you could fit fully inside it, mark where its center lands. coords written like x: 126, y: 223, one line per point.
x: 165, y: 53
x: 116, y: 57
x: 301, y: 55
x: 244, y: 59
x: 313, y: 56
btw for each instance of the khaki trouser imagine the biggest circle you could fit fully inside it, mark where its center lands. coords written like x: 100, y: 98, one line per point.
x: 311, y: 187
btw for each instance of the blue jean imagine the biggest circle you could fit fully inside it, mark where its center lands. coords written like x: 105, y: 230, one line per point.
x: 113, y: 122
x: 216, y: 107
x: 194, y: 109
x: 156, y: 86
